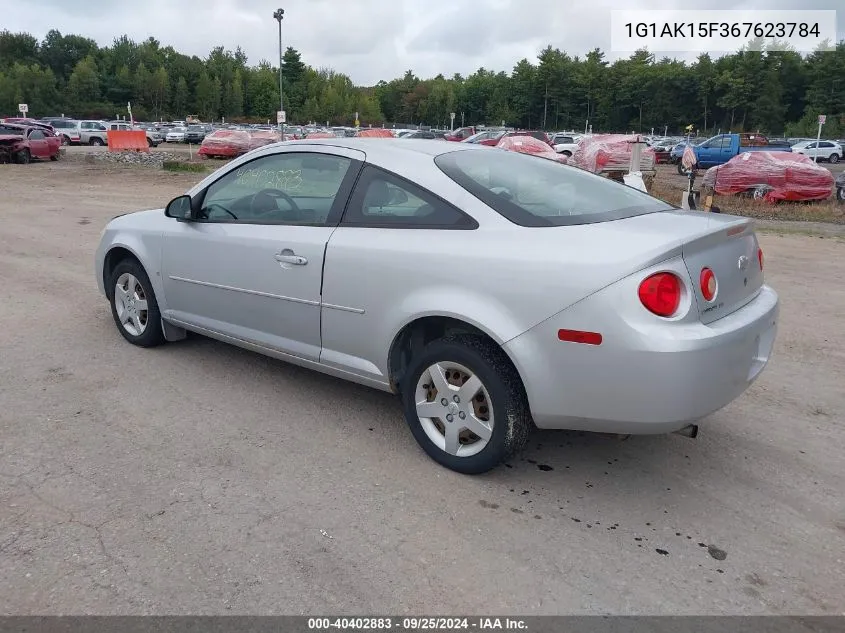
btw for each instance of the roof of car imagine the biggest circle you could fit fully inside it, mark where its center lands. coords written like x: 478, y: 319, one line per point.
x: 388, y: 146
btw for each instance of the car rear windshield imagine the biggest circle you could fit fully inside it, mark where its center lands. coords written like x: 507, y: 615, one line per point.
x: 534, y: 191
x: 15, y: 131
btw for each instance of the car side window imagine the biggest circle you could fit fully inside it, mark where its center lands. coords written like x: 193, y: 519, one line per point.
x: 36, y: 135
x: 384, y: 200
x: 295, y: 188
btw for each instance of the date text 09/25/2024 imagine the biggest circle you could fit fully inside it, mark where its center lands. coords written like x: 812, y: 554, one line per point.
x: 416, y: 623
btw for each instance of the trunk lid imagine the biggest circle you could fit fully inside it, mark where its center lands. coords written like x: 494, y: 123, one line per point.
x: 725, y: 244
x: 730, y: 251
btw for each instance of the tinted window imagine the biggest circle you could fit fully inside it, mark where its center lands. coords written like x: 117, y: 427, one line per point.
x: 11, y: 130
x: 36, y: 135
x: 291, y: 188
x: 382, y: 199
x: 532, y: 191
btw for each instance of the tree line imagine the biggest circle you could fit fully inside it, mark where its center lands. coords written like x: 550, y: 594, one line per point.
x: 754, y: 89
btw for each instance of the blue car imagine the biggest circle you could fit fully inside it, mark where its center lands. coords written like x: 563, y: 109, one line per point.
x: 678, y: 151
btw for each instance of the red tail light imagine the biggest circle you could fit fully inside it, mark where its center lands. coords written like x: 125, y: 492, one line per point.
x: 708, y: 284
x: 661, y: 294
x: 760, y: 257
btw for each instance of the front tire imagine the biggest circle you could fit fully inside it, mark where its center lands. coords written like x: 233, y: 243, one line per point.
x: 840, y: 194
x: 133, y: 305
x: 485, y: 418
x: 96, y: 141
x: 24, y: 157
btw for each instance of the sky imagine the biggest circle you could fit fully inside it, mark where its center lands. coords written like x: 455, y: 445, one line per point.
x: 368, y: 40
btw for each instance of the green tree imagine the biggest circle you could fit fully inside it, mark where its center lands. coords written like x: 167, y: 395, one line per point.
x: 83, y: 87
x: 236, y: 101
x: 204, y: 101
x: 181, y: 96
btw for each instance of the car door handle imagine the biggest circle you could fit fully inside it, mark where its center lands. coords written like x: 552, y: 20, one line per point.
x: 297, y: 260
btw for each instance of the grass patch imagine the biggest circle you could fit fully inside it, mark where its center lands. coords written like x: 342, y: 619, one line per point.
x: 182, y: 166
x: 830, y: 211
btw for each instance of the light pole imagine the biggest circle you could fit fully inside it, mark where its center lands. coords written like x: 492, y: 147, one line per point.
x: 279, y: 15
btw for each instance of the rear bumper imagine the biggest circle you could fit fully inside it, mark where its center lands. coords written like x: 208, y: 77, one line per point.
x: 645, y: 377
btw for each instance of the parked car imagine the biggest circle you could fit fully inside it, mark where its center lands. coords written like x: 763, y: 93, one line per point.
x: 678, y: 150
x: 530, y: 145
x: 820, y: 150
x: 565, y: 144
x: 175, y: 135
x: 195, y: 134
x: 772, y: 176
x: 423, y: 134
x: 21, y: 143
x: 67, y: 129
x: 487, y: 137
x: 269, y: 253
x: 153, y: 137
x: 840, y: 187
x: 93, y: 133
x: 662, y: 148
x: 538, y: 134
x: 461, y: 133
x: 719, y: 149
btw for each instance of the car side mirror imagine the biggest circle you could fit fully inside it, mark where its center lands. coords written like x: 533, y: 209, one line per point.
x: 179, y: 208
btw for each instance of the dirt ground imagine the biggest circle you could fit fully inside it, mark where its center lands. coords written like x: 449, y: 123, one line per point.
x: 200, y: 478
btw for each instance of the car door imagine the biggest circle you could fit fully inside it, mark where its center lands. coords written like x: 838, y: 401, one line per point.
x: 709, y: 152
x: 826, y: 148
x: 38, y: 146
x: 377, y: 253
x: 249, y: 265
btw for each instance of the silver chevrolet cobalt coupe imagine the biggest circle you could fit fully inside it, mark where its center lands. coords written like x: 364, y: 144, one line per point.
x: 490, y: 290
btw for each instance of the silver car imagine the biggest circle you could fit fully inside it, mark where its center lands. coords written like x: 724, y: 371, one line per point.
x: 491, y: 290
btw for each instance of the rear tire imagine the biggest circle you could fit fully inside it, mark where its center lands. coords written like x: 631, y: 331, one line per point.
x: 493, y: 421
x: 55, y: 157
x: 840, y: 194
x: 834, y: 158
x: 133, y: 305
x: 65, y: 140
x: 23, y: 157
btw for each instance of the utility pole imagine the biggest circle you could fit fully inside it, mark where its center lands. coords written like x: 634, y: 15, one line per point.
x: 279, y: 15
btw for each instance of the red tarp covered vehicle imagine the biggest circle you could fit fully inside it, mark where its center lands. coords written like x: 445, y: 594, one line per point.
x: 320, y: 135
x: 771, y: 176
x: 225, y: 144
x: 610, y: 152
x: 231, y: 143
x: 375, y: 133
x: 530, y: 145
x: 259, y: 138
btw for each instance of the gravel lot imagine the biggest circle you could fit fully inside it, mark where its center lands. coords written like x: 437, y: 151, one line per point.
x: 199, y: 478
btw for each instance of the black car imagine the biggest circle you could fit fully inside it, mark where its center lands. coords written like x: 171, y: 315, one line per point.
x: 195, y: 134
